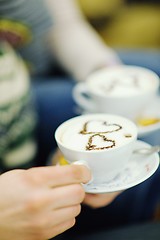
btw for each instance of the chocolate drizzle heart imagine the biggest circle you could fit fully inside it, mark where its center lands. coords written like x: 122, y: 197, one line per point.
x: 92, y: 146
x: 104, y: 123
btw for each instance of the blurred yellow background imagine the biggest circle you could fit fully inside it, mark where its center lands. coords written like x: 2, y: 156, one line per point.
x: 123, y: 24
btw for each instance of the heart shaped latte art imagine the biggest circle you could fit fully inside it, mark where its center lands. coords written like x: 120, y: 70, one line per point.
x: 122, y: 82
x: 99, y: 142
x: 99, y: 126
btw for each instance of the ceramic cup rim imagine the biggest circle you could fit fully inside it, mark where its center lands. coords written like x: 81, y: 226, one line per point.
x: 69, y: 121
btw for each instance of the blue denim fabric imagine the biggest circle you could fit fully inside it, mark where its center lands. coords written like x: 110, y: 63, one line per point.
x: 54, y: 105
x: 141, y: 57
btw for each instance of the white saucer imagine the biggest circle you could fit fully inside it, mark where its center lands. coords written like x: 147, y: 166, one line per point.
x: 152, y: 111
x: 136, y: 171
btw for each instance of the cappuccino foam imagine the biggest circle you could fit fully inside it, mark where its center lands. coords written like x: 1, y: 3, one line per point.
x: 88, y: 133
x: 123, y: 81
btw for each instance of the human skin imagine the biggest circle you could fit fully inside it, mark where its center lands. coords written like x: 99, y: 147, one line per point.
x: 92, y: 200
x: 40, y: 203
x: 100, y: 200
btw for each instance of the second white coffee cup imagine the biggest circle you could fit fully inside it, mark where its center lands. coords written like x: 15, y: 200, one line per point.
x: 122, y: 90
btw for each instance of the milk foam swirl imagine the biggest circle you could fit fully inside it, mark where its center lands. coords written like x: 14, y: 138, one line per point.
x: 95, y: 133
x: 133, y: 83
x: 122, y: 81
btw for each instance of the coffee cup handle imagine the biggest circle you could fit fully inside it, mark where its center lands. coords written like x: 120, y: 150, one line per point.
x: 82, y: 97
x: 82, y: 162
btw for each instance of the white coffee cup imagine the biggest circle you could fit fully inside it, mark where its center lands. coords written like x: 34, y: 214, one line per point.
x: 122, y: 90
x: 103, y: 142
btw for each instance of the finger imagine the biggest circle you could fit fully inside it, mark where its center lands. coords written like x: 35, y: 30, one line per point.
x: 55, y: 157
x: 100, y: 200
x: 59, y: 175
x: 58, y: 229
x: 58, y: 216
x: 66, y: 196
x: 111, y: 195
x: 71, y: 174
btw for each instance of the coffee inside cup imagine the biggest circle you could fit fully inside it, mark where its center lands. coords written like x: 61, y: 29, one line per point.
x: 123, y: 81
x: 97, y: 132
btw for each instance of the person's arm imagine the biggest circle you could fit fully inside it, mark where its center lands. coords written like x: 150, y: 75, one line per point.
x: 40, y: 203
x: 75, y: 43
